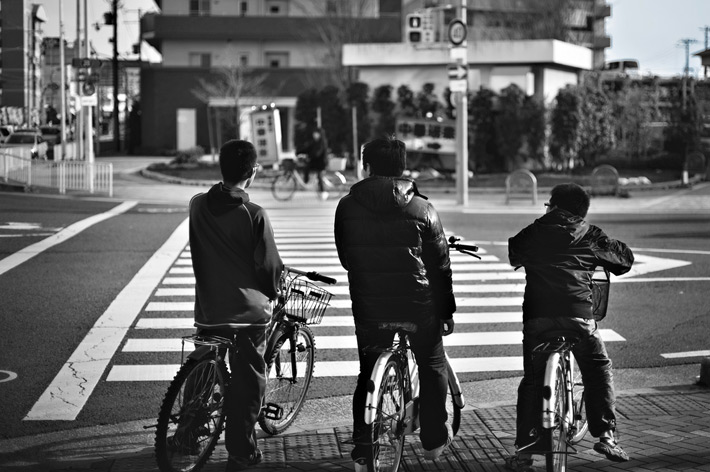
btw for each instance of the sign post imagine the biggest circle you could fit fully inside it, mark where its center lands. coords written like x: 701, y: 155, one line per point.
x: 458, y: 84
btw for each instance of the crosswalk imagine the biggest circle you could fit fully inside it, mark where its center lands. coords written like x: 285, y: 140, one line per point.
x: 489, y: 296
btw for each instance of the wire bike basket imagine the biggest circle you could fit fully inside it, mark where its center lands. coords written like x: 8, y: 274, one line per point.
x: 600, y: 294
x: 306, y: 302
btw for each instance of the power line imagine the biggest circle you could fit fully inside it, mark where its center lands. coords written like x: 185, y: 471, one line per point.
x: 687, y: 42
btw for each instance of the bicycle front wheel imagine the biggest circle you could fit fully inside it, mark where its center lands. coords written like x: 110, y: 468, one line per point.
x: 388, y: 428
x: 284, y: 186
x: 335, y: 184
x: 191, y: 417
x: 580, y: 426
x: 290, y: 371
x: 556, y: 459
x: 453, y: 411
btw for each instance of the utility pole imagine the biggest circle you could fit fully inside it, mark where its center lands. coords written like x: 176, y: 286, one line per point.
x: 114, y: 70
x: 705, y: 29
x: 62, y: 83
x: 79, y: 108
x: 462, y: 124
x: 687, y: 42
x: 88, y: 121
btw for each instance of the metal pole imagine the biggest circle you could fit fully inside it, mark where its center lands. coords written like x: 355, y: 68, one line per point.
x: 356, y: 154
x: 89, y: 138
x: 79, y: 118
x: 462, y: 131
x: 62, y: 84
x: 116, y: 121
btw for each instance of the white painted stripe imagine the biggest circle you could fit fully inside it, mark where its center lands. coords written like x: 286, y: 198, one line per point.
x: 179, y: 281
x: 77, y: 378
x: 680, y: 355
x: 180, y: 270
x: 175, y: 292
x: 145, y: 373
x: 183, y: 262
x: 165, y: 323
x: 492, y: 338
x: 467, y: 276
x: 664, y: 279
x: 334, y: 253
x: 27, y: 253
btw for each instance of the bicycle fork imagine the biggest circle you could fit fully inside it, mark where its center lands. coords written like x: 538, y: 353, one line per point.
x: 549, y: 394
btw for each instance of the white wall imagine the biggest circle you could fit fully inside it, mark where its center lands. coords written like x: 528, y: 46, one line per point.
x: 176, y: 53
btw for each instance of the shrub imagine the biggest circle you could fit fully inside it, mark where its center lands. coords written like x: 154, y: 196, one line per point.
x: 188, y: 156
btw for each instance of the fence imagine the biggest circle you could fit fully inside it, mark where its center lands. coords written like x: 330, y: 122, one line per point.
x: 62, y: 175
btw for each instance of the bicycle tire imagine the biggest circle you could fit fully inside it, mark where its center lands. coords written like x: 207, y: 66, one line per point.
x: 453, y: 411
x: 385, y: 454
x: 580, y: 426
x: 334, y: 183
x: 284, y: 186
x: 556, y: 459
x: 286, y: 392
x: 191, y: 417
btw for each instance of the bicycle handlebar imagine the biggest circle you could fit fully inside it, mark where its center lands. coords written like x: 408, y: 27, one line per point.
x: 463, y: 248
x: 313, y: 275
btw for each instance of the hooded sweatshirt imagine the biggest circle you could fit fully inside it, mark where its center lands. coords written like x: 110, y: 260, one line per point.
x: 391, y: 242
x: 234, y: 258
x: 560, y: 252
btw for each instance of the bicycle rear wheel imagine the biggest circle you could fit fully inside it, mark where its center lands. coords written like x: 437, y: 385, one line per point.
x: 284, y: 186
x: 387, y: 428
x: 556, y: 459
x: 580, y: 426
x: 453, y: 410
x: 289, y: 373
x: 334, y: 183
x: 191, y: 417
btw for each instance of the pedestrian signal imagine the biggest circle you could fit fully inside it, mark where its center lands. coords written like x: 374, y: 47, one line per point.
x: 414, y: 28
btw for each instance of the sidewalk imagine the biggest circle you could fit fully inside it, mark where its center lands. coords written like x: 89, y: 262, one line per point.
x: 662, y: 429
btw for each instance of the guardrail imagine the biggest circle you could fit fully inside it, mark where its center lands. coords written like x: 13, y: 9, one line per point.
x: 62, y: 175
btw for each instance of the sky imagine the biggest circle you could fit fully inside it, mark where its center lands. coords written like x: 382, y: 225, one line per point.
x: 649, y: 31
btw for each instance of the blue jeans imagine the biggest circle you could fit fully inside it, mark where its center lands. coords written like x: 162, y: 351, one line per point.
x: 428, y: 349
x: 594, y: 364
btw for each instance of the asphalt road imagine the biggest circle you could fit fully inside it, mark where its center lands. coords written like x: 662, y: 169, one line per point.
x: 51, y: 300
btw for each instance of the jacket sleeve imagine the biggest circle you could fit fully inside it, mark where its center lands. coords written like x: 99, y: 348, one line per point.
x: 338, y: 230
x: 435, y: 254
x: 267, y: 260
x: 518, y: 248
x: 610, y: 253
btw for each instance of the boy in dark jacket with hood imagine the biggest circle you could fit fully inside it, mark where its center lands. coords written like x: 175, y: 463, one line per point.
x: 560, y: 252
x: 237, y: 269
x: 392, y: 243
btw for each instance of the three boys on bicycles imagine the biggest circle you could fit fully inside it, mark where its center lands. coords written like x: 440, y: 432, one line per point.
x: 560, y: 251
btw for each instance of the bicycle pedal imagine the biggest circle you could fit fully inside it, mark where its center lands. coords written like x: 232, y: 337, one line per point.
x: 272, y: 411
x: 300, y: 347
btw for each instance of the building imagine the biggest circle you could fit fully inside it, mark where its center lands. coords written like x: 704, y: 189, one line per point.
x: 220, y: 59
x: 20, y: 61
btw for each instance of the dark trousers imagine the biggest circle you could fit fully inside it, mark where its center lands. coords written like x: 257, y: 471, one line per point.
x: 594, y: 364
x: 246, y: 388
x: 428, y: 349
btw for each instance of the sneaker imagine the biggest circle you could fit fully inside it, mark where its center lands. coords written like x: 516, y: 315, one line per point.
x: 436, y: 452
x: 516, y: 464
x: 243, y: 463
x: 611, y: 450
x: 360, y: 465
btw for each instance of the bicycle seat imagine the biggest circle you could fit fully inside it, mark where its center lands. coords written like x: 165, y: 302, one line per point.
x: 406, y: 327
x: 561, y: 336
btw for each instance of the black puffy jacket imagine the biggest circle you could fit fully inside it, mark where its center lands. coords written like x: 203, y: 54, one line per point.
x: 392, y: 243
x: 560, y: 252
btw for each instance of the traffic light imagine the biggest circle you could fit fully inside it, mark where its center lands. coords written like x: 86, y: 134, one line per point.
x: 413, y: 30
x: 88, y: 87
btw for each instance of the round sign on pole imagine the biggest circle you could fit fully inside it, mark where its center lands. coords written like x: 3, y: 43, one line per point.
x: 457, y: 32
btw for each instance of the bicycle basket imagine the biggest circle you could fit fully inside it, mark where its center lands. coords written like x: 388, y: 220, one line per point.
x: 600, y: 294
x: 306, y: 302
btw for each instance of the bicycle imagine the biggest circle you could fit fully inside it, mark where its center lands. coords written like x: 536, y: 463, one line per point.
x: 564, y: 417
x: 392, y: 402
x: 192, y: 415
x: 290, y: 348
x: 285, y: 184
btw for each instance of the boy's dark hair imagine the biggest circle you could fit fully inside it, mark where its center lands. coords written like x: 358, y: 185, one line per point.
x: 386, y: 156
x: 570, y: 197
x: 237, y: 159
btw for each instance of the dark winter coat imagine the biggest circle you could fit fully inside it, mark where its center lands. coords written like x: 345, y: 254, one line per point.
x: 391, y: 242
x: 560, y: 252
x: 234, y: 258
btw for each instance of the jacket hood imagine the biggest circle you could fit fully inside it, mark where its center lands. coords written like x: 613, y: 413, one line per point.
x: 561, y: 228
x: 221, y: 199
x: 384, y: 194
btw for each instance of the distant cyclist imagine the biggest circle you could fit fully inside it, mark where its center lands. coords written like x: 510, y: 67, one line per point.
x: 237, y: 269
x: 392, y: 243
x: 560, y: 252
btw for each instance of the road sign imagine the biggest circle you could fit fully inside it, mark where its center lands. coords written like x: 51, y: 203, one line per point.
x: 457, y: 32
x: 458, y: 85
x: 85, y: 62
x: 89, y: 100
x: 457, y: 71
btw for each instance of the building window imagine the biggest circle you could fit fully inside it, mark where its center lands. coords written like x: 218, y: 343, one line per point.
x: 200, y: 59
x: 244, y: 59
x: 199, y: 7
x: 243, y: 7
x: 276, y: 7
x: 276, y: 59
x: 331, y: 8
